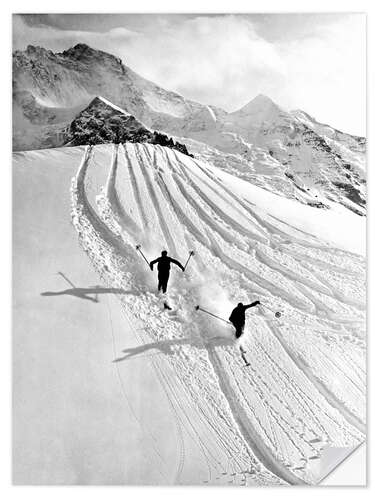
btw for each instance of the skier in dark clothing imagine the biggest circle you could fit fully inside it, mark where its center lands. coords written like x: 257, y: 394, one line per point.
x: 164, y: 266
x: 237, y: 317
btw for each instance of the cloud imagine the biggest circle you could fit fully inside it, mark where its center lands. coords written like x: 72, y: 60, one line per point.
x: 327, y: 73
x: 218, y: 60
x: 222, y: 60
x: 57, y: 40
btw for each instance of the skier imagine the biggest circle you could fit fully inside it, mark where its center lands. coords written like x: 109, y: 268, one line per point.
x: 164, y: 266
x: 237, y: 317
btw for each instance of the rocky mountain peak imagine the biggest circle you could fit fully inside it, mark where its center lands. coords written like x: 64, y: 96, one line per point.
x: 103, y: 122
x: 260, y: 103
x: 260, y: 111
x: 262, y: 99
x: 31, y: 53
x: 36, y: 50
x: 83, y: 52
x: 102, y: 102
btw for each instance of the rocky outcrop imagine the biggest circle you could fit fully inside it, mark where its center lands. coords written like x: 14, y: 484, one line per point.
x: 102, y: 122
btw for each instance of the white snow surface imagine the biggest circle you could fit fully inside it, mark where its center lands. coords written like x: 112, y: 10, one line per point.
x: 212, y: 113
x: 109, y: 103
x: 304, y: 389
x: 338, y: 226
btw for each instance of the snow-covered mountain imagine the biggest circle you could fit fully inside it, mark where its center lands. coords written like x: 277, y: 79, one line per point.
x: 315, y: 157
x: 285, y: 152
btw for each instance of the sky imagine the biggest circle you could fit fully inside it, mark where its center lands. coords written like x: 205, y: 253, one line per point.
x: 313, y: 62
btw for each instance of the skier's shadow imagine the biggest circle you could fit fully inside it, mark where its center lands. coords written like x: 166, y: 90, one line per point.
x: 85, y: 293
x: 166, y: 346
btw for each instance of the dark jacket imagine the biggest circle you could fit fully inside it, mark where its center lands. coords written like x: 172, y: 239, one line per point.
x: 164, y: 264
x: 237, y: 316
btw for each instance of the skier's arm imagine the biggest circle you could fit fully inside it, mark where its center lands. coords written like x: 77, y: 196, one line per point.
x: 252, y: 304
x: 154, y: 262
x: 174, y: 261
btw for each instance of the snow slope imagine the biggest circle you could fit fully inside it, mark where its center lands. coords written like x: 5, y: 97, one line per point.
x: 77, y: 417
x: 304, y: 390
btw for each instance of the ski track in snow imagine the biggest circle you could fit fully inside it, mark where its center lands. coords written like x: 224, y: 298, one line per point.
x: 305, y: 386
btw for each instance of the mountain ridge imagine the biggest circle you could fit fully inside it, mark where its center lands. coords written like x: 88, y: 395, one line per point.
x: 287, y: 152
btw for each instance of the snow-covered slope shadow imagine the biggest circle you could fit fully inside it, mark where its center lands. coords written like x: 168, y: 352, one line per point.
x: 305, y: 387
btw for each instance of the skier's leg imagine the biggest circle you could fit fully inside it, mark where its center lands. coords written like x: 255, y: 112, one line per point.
x: 161, y: 282
x: 241, y: 350
x: 239, y: 330
x: 240, y: 337
x: 239, y: 333
x: 165, y: 282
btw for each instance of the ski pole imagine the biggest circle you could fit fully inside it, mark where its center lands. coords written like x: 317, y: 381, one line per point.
x: 190, y: 255
x: 277, y: 313
x: 66, y: 279
x: 138, y: 247
x: 199, y: 308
